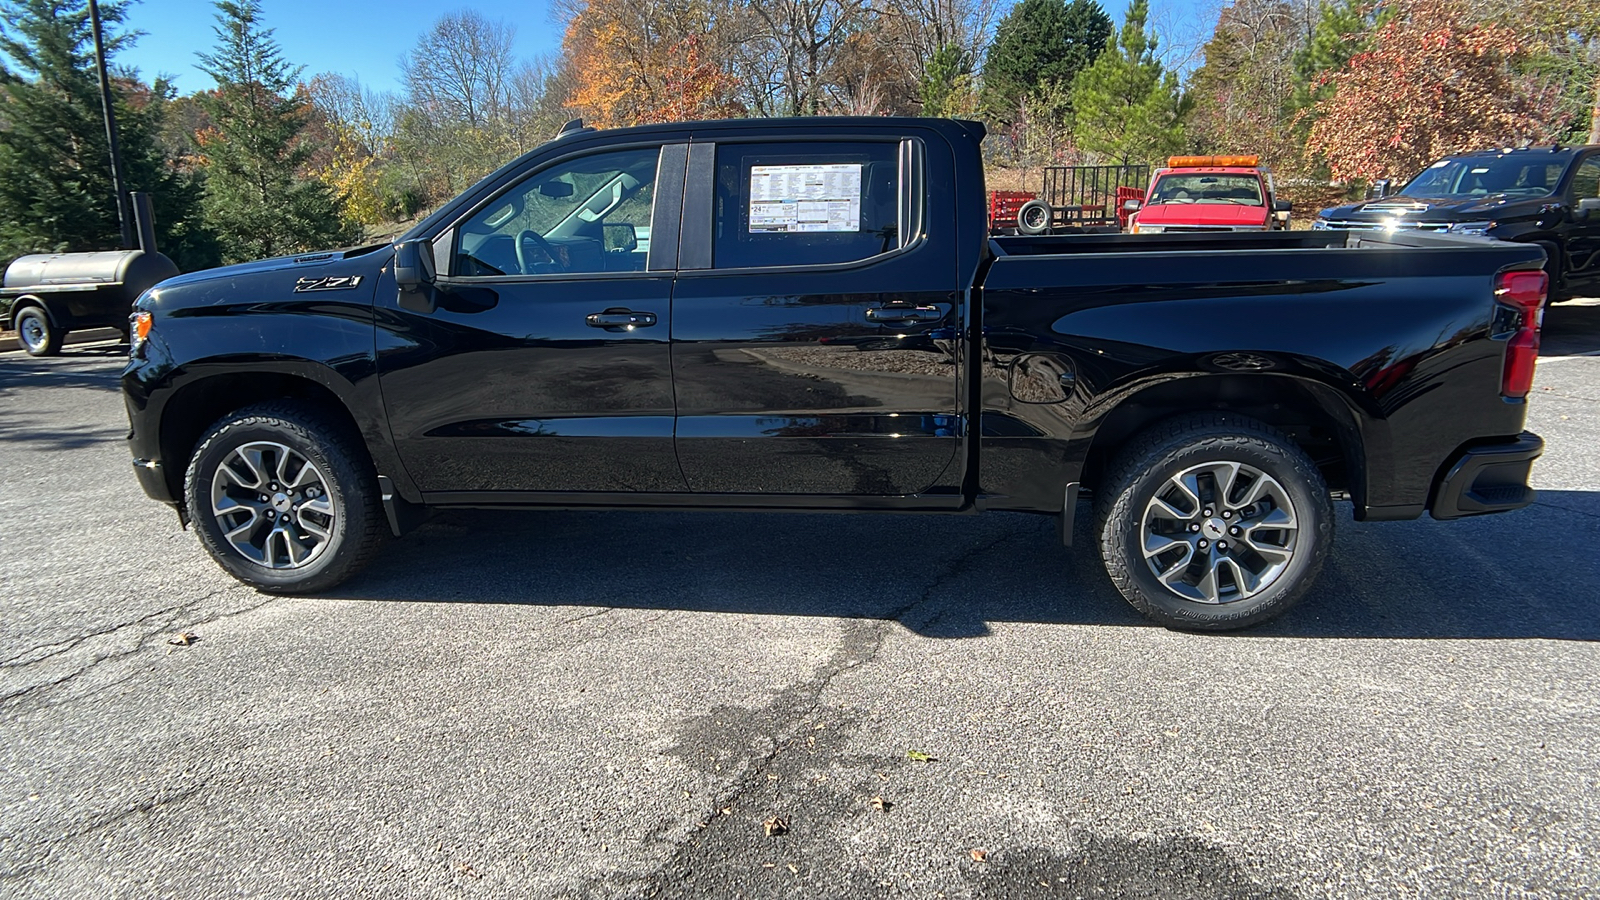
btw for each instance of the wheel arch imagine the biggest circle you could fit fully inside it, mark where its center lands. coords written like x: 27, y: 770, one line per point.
x: 199, y: 403
x: 1318, y: 418
x: 24, y: 301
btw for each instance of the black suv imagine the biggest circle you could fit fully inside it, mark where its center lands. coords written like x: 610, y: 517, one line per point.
x: 1544, y: 195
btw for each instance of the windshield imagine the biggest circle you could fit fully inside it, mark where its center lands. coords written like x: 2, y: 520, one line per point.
x: 1244, y: 190
x: 1485, y: 175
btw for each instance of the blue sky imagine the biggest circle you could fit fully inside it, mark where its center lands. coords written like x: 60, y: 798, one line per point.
x: 365, y: 38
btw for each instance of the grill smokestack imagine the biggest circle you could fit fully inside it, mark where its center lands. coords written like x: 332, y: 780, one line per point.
x: 144, y: 219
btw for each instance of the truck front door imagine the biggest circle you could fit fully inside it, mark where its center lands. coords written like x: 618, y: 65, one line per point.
x: 814, y: 321
x: 546, y: 364
x: 1583, y: 241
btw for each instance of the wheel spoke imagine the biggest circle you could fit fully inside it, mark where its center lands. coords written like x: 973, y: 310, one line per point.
x: 227, y: 506
x: 1278, y: 518
x: 290, y: 544
x: 1162, y: 507
x: 1270, y: 550
x: 1157, y: 544
x: 1207, y: 585
x: 1246, y: 581
x: 1225, y: 475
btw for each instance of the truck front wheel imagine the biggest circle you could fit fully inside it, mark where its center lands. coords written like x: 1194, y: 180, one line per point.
x: 284, y: 499
x: 1213, y: 522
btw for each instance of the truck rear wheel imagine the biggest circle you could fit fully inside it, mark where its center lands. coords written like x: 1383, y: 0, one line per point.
x: 37, y: 336
x: 284, y: 499
x: 1213, y: 522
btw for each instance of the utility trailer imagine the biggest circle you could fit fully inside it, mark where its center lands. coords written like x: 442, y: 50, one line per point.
x: 52, y: 294
x: 1070, y: 200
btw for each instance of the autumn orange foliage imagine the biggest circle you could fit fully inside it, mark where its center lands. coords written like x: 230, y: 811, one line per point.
x: 1431, y: 85
x: 628, y: 75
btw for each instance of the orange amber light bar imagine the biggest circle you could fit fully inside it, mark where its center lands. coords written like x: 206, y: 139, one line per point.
x: 1175, y: 162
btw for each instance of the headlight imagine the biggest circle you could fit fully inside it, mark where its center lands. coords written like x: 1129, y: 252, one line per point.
x: 1471, y: 227
x: 1147, y: 229
x: 1319, y: 224
x: 139, y: 329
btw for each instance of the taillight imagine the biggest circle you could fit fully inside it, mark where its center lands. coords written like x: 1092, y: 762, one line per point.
x: 1524, y: 292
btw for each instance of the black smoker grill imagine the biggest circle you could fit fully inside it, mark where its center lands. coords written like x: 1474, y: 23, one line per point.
x: 54, y: 293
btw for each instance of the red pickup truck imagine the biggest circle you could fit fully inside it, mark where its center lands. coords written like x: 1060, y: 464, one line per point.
x: 1207, y: 194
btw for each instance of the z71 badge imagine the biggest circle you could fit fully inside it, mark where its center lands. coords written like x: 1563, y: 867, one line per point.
x: 327, y: 283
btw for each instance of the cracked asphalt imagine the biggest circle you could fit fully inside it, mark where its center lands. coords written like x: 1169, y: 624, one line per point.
x: 610, y: 704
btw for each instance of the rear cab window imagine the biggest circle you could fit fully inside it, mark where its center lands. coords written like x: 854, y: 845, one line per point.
x: 807, y: 203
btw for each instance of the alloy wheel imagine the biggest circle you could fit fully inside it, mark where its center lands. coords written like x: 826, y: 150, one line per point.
x: 1219, y: 532
x: 272, y: 505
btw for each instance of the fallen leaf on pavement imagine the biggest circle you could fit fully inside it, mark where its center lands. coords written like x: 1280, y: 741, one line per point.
x: 880, y: 804
x: 919, y: 756
x: 980, y: 854
x: 183, y: 639
x: 775, y: 826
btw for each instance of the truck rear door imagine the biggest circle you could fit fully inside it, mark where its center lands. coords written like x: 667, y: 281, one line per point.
x: 813, y: 319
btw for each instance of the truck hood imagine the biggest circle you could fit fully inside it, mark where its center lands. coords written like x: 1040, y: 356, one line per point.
x: 1214, y: 214
x: 1439, y: 209
x: 268, y: 279
x: 307, y: 261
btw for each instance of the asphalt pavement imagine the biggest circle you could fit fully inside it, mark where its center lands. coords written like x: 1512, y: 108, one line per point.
x: 614, y: 704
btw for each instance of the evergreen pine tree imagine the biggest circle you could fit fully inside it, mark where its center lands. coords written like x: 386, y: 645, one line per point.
x: 1040, y: 44
x: 1125, y: 105
x: 260, y: 200
x: 55, y: 163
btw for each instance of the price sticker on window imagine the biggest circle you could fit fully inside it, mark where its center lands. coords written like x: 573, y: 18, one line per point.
x: 799, y: 199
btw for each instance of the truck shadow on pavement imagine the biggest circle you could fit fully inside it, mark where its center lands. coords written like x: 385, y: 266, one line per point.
x: 1571, y: 328
x: 951, y: 577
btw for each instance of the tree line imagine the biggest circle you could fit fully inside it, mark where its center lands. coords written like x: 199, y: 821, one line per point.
x: 270, y: 160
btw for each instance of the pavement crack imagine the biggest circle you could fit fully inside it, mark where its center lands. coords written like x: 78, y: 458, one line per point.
x: 173, y: 621
x: 1581, y: 512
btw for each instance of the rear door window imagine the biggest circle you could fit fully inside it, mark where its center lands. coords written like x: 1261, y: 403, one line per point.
x: 798, y: 204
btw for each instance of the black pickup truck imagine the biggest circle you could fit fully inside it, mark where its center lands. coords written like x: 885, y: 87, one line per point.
x: 810, y: 315
x: 1548, y: 196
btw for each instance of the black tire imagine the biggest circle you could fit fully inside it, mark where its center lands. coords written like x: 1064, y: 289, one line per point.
x: 1127, y: 507
x: 35, y: 333
x: 355, y: 526
x: 1034, y: 217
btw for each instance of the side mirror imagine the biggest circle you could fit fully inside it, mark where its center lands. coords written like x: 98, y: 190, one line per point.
x: 413, y: 275
x: 1282, y: 206
x: 556, y: 189
x: 1130, y: 206
x: 1380, y: 189
x: 1587, y: 207
x: 621, y: 237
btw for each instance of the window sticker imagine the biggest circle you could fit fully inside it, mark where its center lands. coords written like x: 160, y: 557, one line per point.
x: 789, y: 199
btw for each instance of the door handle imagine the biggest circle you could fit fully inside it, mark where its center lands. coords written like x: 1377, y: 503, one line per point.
x: 904, y: 315
x: 621, y: 319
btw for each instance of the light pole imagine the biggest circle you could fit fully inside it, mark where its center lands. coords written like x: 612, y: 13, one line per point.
x: 118, y: 178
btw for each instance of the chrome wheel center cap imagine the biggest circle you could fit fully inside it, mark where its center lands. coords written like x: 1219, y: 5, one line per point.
x: 1213, y: 528
x: 280, y: 502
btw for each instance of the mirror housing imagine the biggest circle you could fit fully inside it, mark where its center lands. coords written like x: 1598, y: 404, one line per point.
x: 1587, y: 207
x: 556, y: 188
x: 413, y: 276
x: 1380, y: 189
x: 1282, y: 206
x: 1130, y: 206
